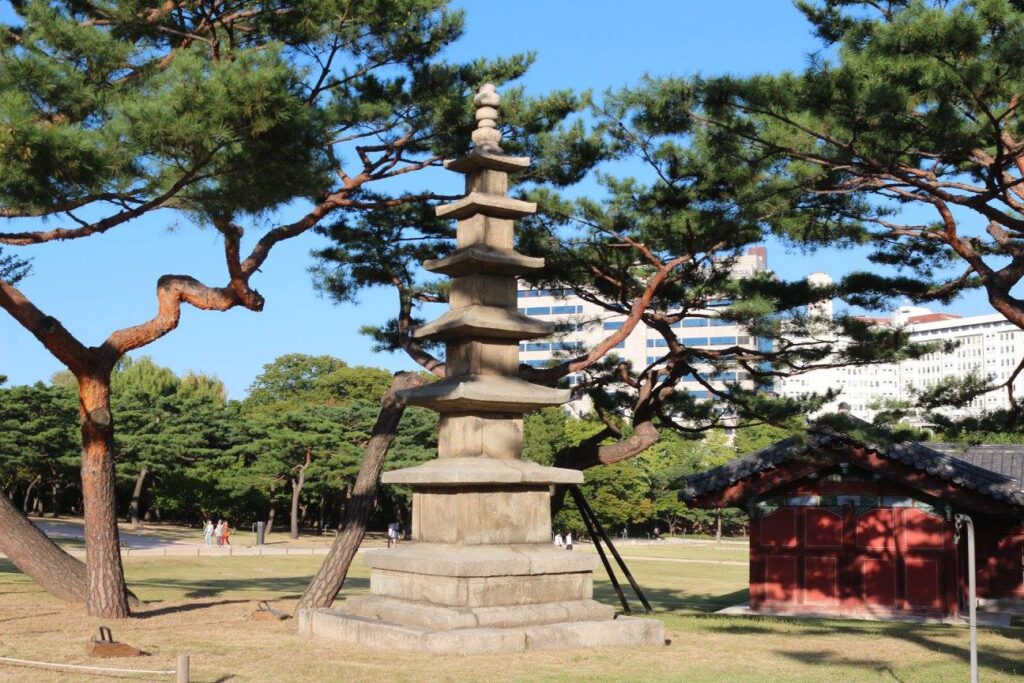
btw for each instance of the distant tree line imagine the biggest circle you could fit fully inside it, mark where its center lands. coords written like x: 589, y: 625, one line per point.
x: 289, y: 452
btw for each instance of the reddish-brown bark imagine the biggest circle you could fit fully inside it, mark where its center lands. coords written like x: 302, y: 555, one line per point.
x: 39, y: 558
x: 298, y: 481
x: 135, y: 507
x: 331, y: 576
x: 104, y: 572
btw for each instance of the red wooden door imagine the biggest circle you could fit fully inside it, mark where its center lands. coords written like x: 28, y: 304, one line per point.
x: 923, y: 547
x: 874, y: 555
x: 822, y: 556
x: 824, y: 559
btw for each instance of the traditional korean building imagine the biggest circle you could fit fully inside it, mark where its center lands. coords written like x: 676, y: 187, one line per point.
x: 844, y: 522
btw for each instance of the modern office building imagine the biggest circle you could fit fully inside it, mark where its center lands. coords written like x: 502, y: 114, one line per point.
x: 586, y: 324
x: 987, y: 345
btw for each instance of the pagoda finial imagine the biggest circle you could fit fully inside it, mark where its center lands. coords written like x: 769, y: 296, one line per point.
x: 487, y: 136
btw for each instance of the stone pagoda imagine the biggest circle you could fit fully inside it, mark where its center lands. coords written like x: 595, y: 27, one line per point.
x: 481, y: 575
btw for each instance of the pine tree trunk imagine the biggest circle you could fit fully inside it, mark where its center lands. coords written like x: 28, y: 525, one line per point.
x: 55, y: 492
x: 270, y: 520
x: 39, y: 558
x: 293, y: 511
x: 105, y: 574
x: 297, y: 483
x: 134, y: 510
x: 28, y: 493
x: 331, y: 576
x: 718, y: 525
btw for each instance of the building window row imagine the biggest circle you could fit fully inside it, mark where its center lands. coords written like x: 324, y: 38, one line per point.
x: 530, y: 293
x: 551, y: 310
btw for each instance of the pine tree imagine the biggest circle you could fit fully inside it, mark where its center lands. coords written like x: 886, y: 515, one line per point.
x: 904, y: 133
x: 656, y: 249
x: 120, y: 109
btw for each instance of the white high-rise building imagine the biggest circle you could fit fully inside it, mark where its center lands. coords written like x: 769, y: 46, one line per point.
x: 988, y: 345
x: 589, y: 324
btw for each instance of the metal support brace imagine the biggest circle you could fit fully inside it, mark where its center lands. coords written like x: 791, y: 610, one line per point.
x: 593, y: 524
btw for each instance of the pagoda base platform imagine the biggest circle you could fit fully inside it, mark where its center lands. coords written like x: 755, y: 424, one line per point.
x: 480, y: 599
x: 352, y: 629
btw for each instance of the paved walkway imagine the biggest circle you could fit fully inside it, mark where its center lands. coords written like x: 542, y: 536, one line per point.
x: 143, y: 545
x: 59, y: 529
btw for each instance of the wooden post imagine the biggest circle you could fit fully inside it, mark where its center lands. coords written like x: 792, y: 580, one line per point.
x: 181, y: 669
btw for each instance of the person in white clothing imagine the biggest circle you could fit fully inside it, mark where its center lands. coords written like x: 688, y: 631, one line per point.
x: 208, y: 532
x: 559, y: 543
x: 568, y: 541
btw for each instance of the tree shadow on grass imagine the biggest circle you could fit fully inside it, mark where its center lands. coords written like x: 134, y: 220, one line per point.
x: 933, y: 637
x: 927, y: 636
x: 191, y: 607
x: 987, y: 657
x: 833, y: 661
x: 670, y: 600
x: 284, y: 587
x: 34, y: 615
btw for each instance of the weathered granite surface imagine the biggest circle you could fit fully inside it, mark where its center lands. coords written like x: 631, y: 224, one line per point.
x: 481, y: 575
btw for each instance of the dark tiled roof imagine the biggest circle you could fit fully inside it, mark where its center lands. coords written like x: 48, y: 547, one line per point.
x: 1007, y: 460
x: 994, y: 471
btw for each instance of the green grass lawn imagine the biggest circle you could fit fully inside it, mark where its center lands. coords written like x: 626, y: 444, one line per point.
x: 675, y: 551
x: 202, y: 606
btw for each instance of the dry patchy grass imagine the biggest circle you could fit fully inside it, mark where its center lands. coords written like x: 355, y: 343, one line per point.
x: 202, y: 606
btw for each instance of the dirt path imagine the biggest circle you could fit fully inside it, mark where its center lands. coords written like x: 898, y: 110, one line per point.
x: 61, y: 529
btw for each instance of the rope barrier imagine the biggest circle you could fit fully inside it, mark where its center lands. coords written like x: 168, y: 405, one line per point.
x: 181, y: 671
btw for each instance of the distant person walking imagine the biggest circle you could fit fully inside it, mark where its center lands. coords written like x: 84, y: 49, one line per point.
x: 227, y: 533
x: 559, y: 542
x: 568, y: 541
x: 392, y: 534
x: 218, y: 532
x: 208, y: 533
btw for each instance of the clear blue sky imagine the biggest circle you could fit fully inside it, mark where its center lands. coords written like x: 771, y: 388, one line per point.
x: 103, y: 283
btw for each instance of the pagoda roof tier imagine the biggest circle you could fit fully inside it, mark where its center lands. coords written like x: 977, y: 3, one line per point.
x: 484, y: 321
x: 491, y: 161
x: 480, y: 258
x: 484, y: 393
x: 482, y: 471
x: 496, y: 206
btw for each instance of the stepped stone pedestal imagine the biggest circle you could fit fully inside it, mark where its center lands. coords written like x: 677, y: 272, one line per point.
x: 482, y: 575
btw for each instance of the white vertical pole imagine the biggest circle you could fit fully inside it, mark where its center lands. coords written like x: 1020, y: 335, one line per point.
x: 972, y: 591
x: 182, y: 669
